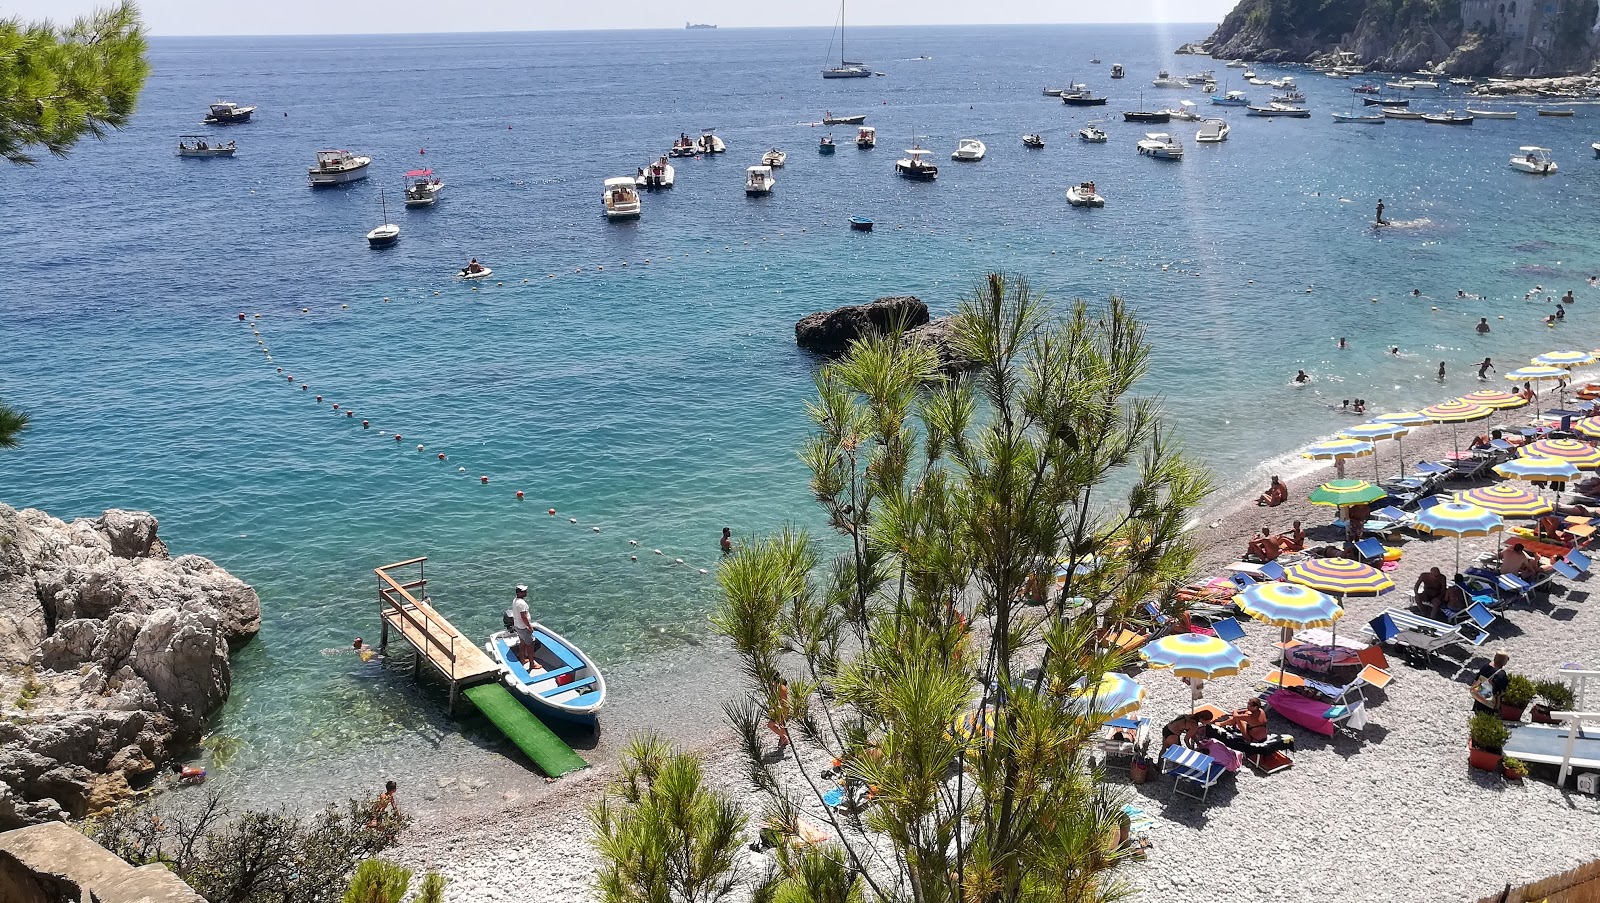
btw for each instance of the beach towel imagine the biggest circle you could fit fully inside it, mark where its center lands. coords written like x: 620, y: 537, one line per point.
x: 1227, y: 758
x: 1308, y: 713
x: 1322, y: 659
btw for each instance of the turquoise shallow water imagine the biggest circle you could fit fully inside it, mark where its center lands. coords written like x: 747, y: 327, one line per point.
x: 662, y: 401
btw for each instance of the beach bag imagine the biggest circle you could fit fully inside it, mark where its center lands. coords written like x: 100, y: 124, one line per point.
x: 1483, y: 690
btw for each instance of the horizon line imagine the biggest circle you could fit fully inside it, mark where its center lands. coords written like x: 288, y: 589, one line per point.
x: 667, y: 28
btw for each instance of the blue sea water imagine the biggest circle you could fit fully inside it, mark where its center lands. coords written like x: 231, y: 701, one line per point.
x: 642, y: 377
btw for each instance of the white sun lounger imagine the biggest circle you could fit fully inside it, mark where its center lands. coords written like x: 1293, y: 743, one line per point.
x: 1413, y: 631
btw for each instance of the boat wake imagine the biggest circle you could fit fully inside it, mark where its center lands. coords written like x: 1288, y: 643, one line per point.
x: 1417, y: 223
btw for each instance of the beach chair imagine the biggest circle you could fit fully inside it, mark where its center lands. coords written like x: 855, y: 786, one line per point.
x: 1273, y: 571
x: 1371, y: 552
x: 1115, y: 753
x: 1228, y: 629
x: 1393, y: 519
x: 1242, y: 581
x: 1369, y: 676
x: 1191, y: 769
x: 1578, y: 560
x: 1410, y: 631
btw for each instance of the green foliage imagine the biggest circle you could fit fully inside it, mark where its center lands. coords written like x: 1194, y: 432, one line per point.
x: 31, y: 690
x: 431, y: 890
x: 255, y: 856
x: 12, y: 421
x: 950, y: 497
x: 662, y: 835
x: 58, y: 84
x: 1513, y: 765
x: 1488, y: 732
x: 378, y: 881
x: 1519, y: 691
x: 1556, y: 694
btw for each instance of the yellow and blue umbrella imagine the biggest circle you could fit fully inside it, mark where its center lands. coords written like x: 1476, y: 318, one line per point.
x: 1537, y: 373
x: 1455, y: 410
x: 1588, y: 426
x: 1195, y: 656
x: 1289, y: 605
x: 1506, y: 500
x: 1339, y: 575
x: 1459, y: 519
x: 1338, y: 450
x: 1538, y: 469
x: 1115, y: 694
x: 1498, y: 399
x: 1378, y: 430
x: 1409, y: 418
x: 1564, y: 359
x: 1339, y: 493
x: 1581, y: 455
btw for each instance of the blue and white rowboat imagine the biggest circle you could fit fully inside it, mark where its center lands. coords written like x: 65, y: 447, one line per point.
x: 564, y: 682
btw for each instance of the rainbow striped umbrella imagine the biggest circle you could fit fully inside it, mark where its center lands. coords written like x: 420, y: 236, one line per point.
x: 1409, y: 418
x: 1506, y: 500
x: 1289, y: 605
x: 1564, y: 358
x: 1339, y: 575
x: 1588, y: 426
x: 1498, y: 399
x: 1459, y: 519
x: 1195, y: 655
x: 1377, y: 430
x: 1455, y: 411
x: 1115, y: 694
x: 1338, y: 493
x: 1582, y: 455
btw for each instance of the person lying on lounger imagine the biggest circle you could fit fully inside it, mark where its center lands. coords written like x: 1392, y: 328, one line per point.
x: 1517, y: 560
x: 1246, y: 730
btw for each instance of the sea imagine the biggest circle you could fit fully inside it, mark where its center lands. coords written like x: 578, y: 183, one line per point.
x: 641, y: 379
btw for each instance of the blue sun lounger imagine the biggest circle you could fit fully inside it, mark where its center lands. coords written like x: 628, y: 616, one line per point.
x: 1191, y: 769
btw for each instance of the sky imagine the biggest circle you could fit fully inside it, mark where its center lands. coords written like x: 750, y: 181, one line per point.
x: 210, y: 17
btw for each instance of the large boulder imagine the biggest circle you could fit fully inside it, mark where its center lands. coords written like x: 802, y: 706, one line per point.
x: 112, y: 657
x: 831, y: 332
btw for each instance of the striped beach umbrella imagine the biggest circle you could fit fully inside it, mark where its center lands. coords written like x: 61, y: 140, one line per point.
x: 1506, y: 500
x: 1537, y: 373
x: 1409, y: 418
x: 1338, y: 451
x: 1459, y: 519
x: 1588, y: 426
x: 1453, y: 412
x: 1564, y: 359
x: 1582, y: 455
x: 1289, y: 605
x: 1115, y: 694
x: 1498, y: 399
x: 1377, y: 431
x: 1339, y: 493
x: 1339, y: 576
x: 1538, y: 469
x: 1195, y: 655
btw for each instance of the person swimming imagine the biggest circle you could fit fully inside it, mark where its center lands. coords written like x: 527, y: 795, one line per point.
x: 1301, y: 377
x: 1394, y: 350
x: 1483, y: 325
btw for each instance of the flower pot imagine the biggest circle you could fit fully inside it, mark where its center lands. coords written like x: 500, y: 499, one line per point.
x: 1139, y: 771
x: 1510, y: 712
x: 1541, y: 714
x: 1514, y: 775
x: 1482, y: 759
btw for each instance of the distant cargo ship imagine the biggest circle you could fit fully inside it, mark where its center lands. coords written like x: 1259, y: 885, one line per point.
x: 690, y: 26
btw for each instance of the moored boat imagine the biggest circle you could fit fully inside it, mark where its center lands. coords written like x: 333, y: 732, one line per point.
x: 1161, y: 146
x: 1535, y: 160
x: 1448, y: 117
x: 916, y: 167
x: 422, y: 188
x: 619, y: 198
x: 1092, y: 134
x: 1080, y: 96
x: 338, y: 167
x: 1400, y: 113
x: 1279, y: 109
x: 659, y: 174
x: 386, y: 233
x: 1360, y: 118
x: 826, y: 147
x: 829, y: 119
x: 1032, y: 142
x: 969, y: 150
x: 1052, y: 92
x: 1116, y: 70
x: 860, y: 224
x: 709, y: 143
x: 847, y: 68
x: 866, y: 137
x: 1185, y: 111
x: 1083, y: 194
x: 758, y: 180
x: 226, y: 112
x: 1214, y: 131
x: 684, y: 146
x: 774, y: 158
x: 1386, y: 101
x: 1232, y: 99
x: 1555, y: 111
x: 563, y: 682
x: 1493, y: 114
x: 203, y: 146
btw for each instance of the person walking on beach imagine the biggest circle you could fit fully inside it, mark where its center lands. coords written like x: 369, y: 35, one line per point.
x: 778, y: 713
x: 1484, y: 368
x: 522, y: 623
x: 1483, y: 325
x: 1380, y: 221
x: 1441, y: 371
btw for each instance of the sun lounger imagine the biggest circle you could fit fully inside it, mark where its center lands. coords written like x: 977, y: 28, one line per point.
x: 1415, y: 632
x: 1270, y: 763
x: 1191, y: 769
x: 1371, y: 552
x: 1228, y: 629
x: 1370, y: 676
x: 1115, y: 753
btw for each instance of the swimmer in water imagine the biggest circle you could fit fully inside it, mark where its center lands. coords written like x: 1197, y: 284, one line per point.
x: 1484, y: 368
x: 1441, y: 371
x: 1483, y: 325
x: 1361, y: 406
x: 1394, y: 350
x: 1416, y: 293
x: 189, y: 774
x: 1301, y: 377
x: 1567, y: 298
x: 1561, y: 313
x: 1342, y: 345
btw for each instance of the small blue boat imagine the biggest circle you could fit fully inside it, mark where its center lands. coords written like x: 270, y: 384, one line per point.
x: 826, y: 146
x: 860, y: 224
x: 564, y: 684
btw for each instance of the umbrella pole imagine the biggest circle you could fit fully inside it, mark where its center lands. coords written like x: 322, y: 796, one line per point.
x: 1400, y: 443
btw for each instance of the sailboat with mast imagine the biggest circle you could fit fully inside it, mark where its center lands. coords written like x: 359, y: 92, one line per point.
x: 847, y: 68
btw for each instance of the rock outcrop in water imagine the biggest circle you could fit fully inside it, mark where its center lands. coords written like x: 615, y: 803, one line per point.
x: 831, y: 332
x: 113, y: 655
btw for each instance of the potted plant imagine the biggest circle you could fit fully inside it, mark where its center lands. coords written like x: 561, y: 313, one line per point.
x: 1487, y: 737
x: 1554, y: 696
x: 1514, y: 769
x: 1139, y: 769
x: 1516, y: 696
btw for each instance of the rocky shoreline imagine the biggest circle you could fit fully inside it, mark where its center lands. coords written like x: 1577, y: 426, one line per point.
x: 113, y: 657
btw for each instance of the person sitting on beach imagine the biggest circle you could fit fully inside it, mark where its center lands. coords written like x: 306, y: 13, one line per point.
x: 1263, y: 546
x: 1516, y: 560
x: 1576, y: 510
x: 1527, y: 392
x: 1483, y: 325
x: 1301, y: 377
x: 1429, y: 591
x: 1292, y: 541
x: 1277, y: 493
x: 1250, y: 722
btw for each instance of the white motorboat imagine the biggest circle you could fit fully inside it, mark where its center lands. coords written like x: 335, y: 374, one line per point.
x: 1161, y: 146
x: 1052, y: 92
x: 1462, y: 81
x: 684, y: 146
x: 659, y: 174
x: 1596, y: 148
x: 1448, y: 117
x: 916, y: 167
x: 422, y: 188
x: 203, y: 146
x: 620, y: 198
x: 338, y: 167
x: 758, y: 180
x: 709, y: 143
x: 1360, y: 118
x: 1092, y: 134
x: 1083, y: 194
x: 1164, y: 79
x: 1185, y: 110
x: 969, y: 150
x: 1256, y: 81
x: 1400, y: 113
x: 386, y: 233
x: 1236, y: 64
x: 866, y: 137
x: 1493, y: 114
x: 1200, y: 78
x: 1033, y: 142
x: 1214, y: 131
x: 1116, y: 70
x: 1421, y: 84
x: 226, y: 112
x: 1279, y: 109
x: 1249, y: 73
x: 774, y: 158
x: 847, y: 68
x: 1290, y: 96
x: 829, y: 119
x: 1232, y: 99
x: 1536, y: 160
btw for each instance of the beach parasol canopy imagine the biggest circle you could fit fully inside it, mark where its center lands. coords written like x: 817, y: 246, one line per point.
x: 1588, y: 426
x: 1338, y: 450
x: 1195, y: 655
x: 1453, y: 412
x: 1537, y: 373
x: 1338, y: 493
x: 1115, y: 694
x: 1498, y: 399
x: 1339, y: 575
x: 1581, y: 455
x: 1409, y: 418
x: 1506, y: 500
x: 1375, y: 431
x: 1459, y: 519
x: 1289, y: 605
x: 1538, y: 469
x: 1564, y: 359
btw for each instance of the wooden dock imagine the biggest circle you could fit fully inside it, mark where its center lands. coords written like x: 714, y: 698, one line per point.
x: 403, y: 605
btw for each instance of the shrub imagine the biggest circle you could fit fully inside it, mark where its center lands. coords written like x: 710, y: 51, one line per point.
x: 378, y: 881
x: 1556, y: 694
x: 1489, y: 733
x: 1518, y: 693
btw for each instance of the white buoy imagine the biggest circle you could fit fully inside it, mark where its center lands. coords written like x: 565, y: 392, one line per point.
x: 633, y: 542
x: 572, y: 520
x: 677, y: 561
x: 595, y: 529
x: 657, y: 551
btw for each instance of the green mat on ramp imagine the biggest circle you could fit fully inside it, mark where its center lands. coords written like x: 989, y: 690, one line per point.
x: 553, y: 756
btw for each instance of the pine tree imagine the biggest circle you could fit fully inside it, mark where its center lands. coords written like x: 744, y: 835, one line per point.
x: 12, y: 423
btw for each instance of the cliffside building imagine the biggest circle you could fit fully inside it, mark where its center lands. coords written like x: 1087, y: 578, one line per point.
x: 1529, y: 28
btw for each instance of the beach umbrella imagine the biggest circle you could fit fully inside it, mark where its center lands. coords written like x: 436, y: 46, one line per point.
x: 1564, y: 359
x: 1289, y: 606
x: 1409, y: 418
x: 1453, y: 412
x: 1339, y: 576
x: 1339, y: 493
x: 1376, y: 431
x: 1582, y: 455
x: 1588, y: 426
x: 1538, y: 469
x: 1538, y: 373
x: 966, y: 727
x: 1498, y: 399
x: 1506, y: 500
x: 1195, y: 656
x: 1459, y: 519
x: 1115, y: 694
x: 1338, y: 450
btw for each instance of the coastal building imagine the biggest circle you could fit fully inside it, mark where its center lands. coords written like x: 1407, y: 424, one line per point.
x: 1532, y: 29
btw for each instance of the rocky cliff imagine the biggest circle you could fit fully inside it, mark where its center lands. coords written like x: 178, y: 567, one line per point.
x: 113, y: 655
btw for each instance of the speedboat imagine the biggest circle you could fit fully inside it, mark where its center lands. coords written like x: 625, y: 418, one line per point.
x: 1080, y: 96
x: 1155, y: 116
x: 1236, y: 64
x: 1052, y: 92
x: 1493, y: 114
x: 1164, y: 79
x: 620, y: 198
x: 1386, y: 102
x: 1116, y: 70
x: 758, y: 180
x: 1232, y: 99
x: 1160, y: 145
x: 563, y: 681
x: 1448, y: 117
x: 338, y: 167
x: 1092, y: 134
x: 422, y: 188
x: 1032, y: 142
x: 916, y: 167
x: 1536, y: 160
x: 683, y: 147
x: 226, y: 112
x: 774, y: 158
x: 1280, y: 109
x: 866, y: 137
x: 1184, y: 110
x: 1249, y: 73
x: 1400, y: 113
x: 969, y: 150
x: 826, y: 146
x: 1209, y: 87
x: 202, y: 146
x: 1361, y: 118
x: 1215, y: 131
x: 1555, y: 111
x: 1367, y: 88
x: 1421, y: 84
x: 659, y: 174
x: 709, y: 143
x: 386, y: 233
x: 1290, y: 96
x: 1083, y: 194
x: 830, y: 119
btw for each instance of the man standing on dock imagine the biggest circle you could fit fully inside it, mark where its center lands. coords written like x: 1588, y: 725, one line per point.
x: 522, y: 623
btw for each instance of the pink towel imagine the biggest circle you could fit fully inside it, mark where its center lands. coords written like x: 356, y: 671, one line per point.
x: 1228, y: 758
x: 1307, y: 713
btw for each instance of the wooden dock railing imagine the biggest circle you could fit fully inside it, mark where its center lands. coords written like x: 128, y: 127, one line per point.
x: 403, y: 604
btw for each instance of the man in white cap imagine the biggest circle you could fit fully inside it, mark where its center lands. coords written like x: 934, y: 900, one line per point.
x: 522, y: 623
